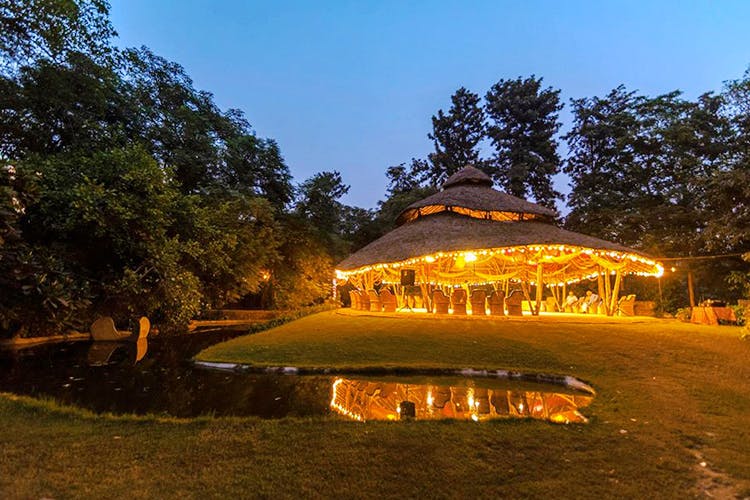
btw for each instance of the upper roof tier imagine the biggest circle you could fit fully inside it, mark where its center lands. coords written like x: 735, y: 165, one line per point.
x: 469, y: 192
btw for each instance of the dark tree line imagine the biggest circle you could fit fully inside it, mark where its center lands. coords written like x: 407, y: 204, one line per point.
x: 126, y: 191
x: 664, y: 174
x: 518, y: 121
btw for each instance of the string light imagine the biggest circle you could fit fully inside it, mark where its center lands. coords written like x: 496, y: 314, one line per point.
x: 630, y: 264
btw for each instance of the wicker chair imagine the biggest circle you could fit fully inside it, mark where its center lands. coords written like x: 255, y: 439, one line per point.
x: 496, y: 302
x: 458, y: 301
x: 388, y: 300
x: 551, y: 304
x: 478, y: 306
x: 355, y: 298
x: 625, y: 306
x: 514, y: 303
x: 375, y: 305
x: 364, y: 301
x: 440, y: 302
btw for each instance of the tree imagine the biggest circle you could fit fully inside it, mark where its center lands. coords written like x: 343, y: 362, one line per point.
x: 52, y: 29
x: 318, y: 201
x: 164, y: 244
x: 302, y: 274
x: 601, y: 145
x: 729, y: 189
x: 131, y: 244
x: 651, y: 173
x: 524, y: 121
x: 456, y: 136
x: 640, y: 168
x: 51, y: 107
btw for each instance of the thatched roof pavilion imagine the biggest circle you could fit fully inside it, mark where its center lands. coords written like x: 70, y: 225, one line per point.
x: 470, y: 234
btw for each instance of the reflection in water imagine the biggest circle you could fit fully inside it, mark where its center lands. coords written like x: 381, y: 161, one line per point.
x: 158, y: 378
x: 377, y: 400
x: 102, y: 353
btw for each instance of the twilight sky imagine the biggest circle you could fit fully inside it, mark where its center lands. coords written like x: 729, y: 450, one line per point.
x: 351, y: 85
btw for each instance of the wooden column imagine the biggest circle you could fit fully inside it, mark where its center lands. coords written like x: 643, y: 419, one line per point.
x: 602, y: 292
x: 616, y: 292
x: 608, y: 291
x: 539, y: 286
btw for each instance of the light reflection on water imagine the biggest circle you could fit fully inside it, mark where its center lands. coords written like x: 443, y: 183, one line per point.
x: 158, y: 377
x: 391, y: 400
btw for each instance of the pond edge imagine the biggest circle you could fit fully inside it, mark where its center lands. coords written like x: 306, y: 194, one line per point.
x: 561, y: 380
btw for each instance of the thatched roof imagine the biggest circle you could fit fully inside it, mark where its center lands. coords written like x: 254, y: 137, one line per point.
x: 447, y: 232
x: 468, y: 175
x: 469, y: 216
x: 470, y: 192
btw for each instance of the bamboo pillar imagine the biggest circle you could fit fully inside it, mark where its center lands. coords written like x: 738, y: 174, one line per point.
x: 608, y: 291
x: 602, y: 293
x: 616, y: 292
x: 526, y: 294
x: 539, y: 287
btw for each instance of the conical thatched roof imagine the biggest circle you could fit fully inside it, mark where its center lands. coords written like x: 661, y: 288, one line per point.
x: 469, y: 192
x: 514, y: 237
x: 468, y: 175
x: 448, y: 232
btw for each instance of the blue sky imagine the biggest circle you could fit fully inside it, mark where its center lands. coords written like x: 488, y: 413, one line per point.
x: 351, y: 85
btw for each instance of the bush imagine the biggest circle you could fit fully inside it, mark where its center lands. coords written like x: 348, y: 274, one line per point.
x: 684, y: 314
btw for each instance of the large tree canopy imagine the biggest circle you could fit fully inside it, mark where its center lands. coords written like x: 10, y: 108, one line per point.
x: 456, y: 136
x: 524, y: 121
x: 52, y: 29
x: 124, y: 190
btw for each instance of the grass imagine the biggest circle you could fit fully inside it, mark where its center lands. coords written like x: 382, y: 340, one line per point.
x: 670, y: 396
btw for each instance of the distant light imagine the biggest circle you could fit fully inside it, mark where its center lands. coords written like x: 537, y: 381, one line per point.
x: 470, y: 256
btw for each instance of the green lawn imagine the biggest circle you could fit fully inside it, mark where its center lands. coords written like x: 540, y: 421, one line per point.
x: 670, y: 396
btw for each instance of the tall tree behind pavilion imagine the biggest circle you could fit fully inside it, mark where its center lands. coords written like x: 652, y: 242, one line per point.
x: 313, y: 238
x: 456, y: 136
x: 728, y: 204
x: 523, y: 123
x: 641, y: 169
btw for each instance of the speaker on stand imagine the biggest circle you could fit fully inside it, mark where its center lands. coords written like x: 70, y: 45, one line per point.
x: 407, y: 281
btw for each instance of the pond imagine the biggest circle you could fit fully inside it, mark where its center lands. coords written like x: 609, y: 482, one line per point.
x: 158, y: 378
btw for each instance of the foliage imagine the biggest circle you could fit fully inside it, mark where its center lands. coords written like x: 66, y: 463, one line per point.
x: 456, y: 136
x: 132, y: 243
x: 182, y: 127
x: 52, y: 29
x: 318, y: 201
x: 124, y: 189
x: 524, y: 121
x: 662, y: 174
x: 303, y: 273
x: 52, y: 107
x: 683, y: 314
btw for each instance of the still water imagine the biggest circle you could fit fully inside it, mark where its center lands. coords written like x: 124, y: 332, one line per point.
x: 158, y: 378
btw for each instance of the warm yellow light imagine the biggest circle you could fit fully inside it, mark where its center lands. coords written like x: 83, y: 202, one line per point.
x: 470, y: 257
x: 659, y: 271
x: 560, y: 419
x: 430, y: 259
